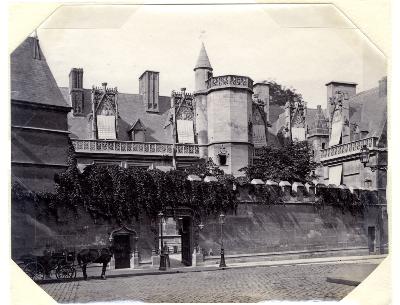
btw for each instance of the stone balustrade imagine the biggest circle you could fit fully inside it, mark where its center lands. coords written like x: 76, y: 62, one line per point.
x: 134, y: 148
x: 230, y: 81
x: 348, y: 149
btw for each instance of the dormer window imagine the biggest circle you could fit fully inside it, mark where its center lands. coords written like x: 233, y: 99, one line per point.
x: 137, y: 132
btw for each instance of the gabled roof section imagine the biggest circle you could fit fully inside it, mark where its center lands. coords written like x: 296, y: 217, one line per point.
x: 31, y: 77
x: 137, y: 126
x: 130, y: 109
x: 203, y: 61
x: 316, y: 119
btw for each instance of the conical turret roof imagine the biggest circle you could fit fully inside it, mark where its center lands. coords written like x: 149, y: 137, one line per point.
x: 203, y: 61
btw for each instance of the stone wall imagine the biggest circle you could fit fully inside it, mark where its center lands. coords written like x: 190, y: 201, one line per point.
x: 255, y: 228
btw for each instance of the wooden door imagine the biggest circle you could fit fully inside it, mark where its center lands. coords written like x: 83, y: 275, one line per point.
x: 186, y: 241
x: 122, y: 251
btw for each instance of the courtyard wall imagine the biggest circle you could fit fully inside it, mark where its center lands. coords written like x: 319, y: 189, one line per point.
x: 297, y: 224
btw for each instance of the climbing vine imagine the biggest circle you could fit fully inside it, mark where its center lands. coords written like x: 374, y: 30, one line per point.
x: 121, y: 194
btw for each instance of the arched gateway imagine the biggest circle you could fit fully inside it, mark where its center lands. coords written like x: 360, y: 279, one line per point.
x: 124, y: 243
x: 179, y: 235
x: 183, y: 219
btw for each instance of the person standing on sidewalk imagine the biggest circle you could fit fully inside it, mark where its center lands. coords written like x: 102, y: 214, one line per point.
x: 166, y: 253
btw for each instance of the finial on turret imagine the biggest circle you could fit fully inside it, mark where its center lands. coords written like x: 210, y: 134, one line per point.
x: 202, y: 60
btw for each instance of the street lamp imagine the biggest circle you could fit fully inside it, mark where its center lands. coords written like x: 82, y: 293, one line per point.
x: 364, y: 158
x: 364, y: 155
x: 163, y: 262
x: 222, y: 261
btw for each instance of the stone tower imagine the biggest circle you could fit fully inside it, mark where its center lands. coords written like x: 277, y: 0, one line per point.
x: 203, y: 71
x: 223, y: 116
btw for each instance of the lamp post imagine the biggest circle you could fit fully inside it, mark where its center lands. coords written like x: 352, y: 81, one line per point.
x: 163, y: 263
x: 222, y: 221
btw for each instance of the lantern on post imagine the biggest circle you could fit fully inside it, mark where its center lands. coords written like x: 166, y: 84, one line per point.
x: 364, y: 155
x: 222, y: 222
x: 163, y: 259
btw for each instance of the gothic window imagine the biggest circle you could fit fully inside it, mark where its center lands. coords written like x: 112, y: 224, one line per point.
x: 323, y: 145
x: 222, y: 159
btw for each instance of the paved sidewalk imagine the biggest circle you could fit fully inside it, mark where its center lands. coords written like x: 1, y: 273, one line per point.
x: 94, y: 272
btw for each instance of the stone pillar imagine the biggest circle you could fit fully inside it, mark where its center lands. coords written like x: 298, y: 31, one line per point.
x: 286, y: 188
x: 155, y: 259
x: 111, y: 265
x: 197, y: 258
x: 299, y: 190
x: 310, y: 190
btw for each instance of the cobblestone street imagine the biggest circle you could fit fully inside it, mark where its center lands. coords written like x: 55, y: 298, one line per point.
x: 299, y: 282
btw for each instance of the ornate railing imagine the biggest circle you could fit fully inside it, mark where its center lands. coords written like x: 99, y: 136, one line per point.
x: 134, y: 148
x: 230, y: 81
x: 347, y: 149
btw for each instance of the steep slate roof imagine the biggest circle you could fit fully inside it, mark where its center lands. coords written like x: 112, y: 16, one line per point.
x: 131, y: 108
x: 316, y: 118
x: 203, y: 61
x: 369, y: 111
x: 31, y: 78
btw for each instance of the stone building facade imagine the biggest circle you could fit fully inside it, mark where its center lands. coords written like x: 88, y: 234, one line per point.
x: 220, y: 120
x: 226, y: 119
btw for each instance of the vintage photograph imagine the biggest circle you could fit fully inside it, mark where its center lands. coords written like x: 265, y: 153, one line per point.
x: 198, y: 153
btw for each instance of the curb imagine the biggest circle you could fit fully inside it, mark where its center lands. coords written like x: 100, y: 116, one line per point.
x: 216, y: 268
x: 342, y: 281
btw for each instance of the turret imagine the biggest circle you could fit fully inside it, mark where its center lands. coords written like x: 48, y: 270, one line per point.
x: 203, y: 71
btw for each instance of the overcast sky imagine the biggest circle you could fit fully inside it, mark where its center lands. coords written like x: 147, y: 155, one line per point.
x: 303, y: 46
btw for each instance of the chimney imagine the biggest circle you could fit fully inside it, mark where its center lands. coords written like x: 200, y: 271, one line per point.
x: 76, y: 90
x: 262, y: 91
x: 36, y: 47
x: 383, y: 87
x: 149, y: 89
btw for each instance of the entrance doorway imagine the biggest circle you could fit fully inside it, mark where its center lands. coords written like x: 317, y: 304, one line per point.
x: 122, y: 251
x: 371, y: 239
x: 186, y: 241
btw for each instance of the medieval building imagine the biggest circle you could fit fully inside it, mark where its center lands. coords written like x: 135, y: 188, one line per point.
x: 226, y: 119
x: 221, y: 120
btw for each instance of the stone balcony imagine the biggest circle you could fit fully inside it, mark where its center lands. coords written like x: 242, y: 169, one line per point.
x: 349, y: 150
x: 228, y: 81
x: 134, y: 148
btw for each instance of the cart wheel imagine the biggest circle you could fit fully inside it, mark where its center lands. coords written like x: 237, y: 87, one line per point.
x: 65, y: 272
x: 35, y: 271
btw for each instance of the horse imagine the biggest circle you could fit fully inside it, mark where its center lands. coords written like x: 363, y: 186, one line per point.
x: 99, y: 256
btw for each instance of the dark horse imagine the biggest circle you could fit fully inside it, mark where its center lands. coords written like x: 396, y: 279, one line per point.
x: 99, y: 256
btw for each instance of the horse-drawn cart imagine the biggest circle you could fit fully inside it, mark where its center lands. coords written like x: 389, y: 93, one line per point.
x: 40, y: 267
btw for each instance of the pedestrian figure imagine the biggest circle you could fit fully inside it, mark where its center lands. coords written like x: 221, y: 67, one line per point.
x: 210, y: 252
x: 46, y: 261
x: 166, y: 253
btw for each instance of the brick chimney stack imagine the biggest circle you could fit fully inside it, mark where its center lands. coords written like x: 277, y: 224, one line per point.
x: 383, y: 87
x: 76, y: 90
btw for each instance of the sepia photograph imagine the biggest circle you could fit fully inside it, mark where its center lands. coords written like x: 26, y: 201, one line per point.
x: 220, y: 153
